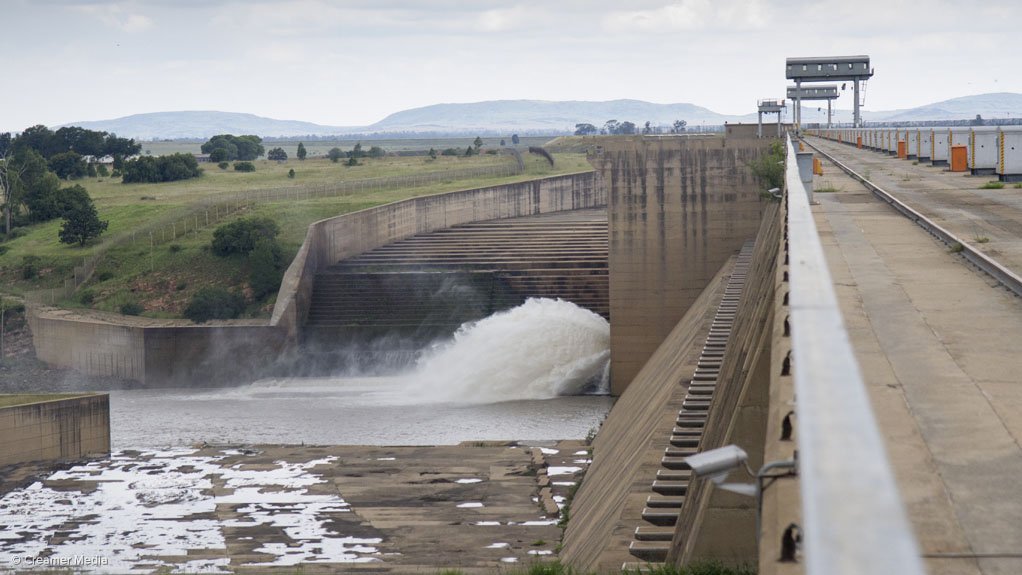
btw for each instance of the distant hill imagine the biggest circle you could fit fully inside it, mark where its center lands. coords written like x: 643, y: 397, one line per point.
x: 539, y: 115
x: 174, y: 125
x: 526, y: 116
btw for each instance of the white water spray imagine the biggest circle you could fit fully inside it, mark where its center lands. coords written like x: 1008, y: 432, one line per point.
x: 538, y: 350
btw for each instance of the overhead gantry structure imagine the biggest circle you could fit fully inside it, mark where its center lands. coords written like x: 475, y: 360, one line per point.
x: 828, y: 92
x: 770, y: 107
x: 828, y: 69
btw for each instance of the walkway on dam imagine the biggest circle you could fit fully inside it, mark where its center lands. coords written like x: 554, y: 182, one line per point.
x: 937, y: 341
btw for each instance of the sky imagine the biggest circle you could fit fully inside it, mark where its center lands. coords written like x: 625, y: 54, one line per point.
x: 353, y: 62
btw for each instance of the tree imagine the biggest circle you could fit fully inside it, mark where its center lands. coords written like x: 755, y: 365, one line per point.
x: 81, y: 224
x: 356, y: 152
x: 432, y: 153
x: 291, y: 173
x: 514, y: 139
x: 502, y: 143
x: 277, y: 155
x: 477, y: 143
x: 647, y: 129
x: 301, y: 152
x: 377, y: 152
x: 335, y: 154
x: 68, y: 165
x: 469, y: 151
x: 626, y: 128
x: 585, y: 129
x: 611, y: 126
x: 352, y: 161
x: 245, y: 148
x: 678, y: 127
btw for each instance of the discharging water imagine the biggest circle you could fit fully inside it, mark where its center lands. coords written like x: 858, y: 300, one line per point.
x: 513, y: 375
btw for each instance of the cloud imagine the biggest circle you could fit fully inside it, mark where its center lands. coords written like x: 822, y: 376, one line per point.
x: 118, y: 16
x: 691, y: 16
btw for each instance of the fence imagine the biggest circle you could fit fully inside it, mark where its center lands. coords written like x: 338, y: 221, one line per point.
x: 212, y: 210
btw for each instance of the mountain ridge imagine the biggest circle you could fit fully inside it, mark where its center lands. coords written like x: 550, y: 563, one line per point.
x: 523, y: 116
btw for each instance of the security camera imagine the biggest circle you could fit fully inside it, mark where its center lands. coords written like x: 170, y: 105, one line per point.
x: 717, y: 463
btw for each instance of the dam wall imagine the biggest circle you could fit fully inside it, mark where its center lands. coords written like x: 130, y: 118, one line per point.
x: 172, y: 352
x: 679, y: 207
x: 55, y: 430
x: 714, y: 524
x: 628, y: 448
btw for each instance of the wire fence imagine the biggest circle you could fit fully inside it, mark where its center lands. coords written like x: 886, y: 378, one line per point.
x: 212, y: 211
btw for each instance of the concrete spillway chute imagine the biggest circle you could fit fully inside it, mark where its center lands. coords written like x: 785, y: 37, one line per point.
x: 829, y: 69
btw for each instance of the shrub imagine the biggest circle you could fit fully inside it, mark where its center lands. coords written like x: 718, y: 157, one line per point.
x: 214, y: 303
x: 769, y: 167
x: 451, y: 152
x: 115, y: 174
x: 170, y: 168
x: 223, y: 165
x: 105, y: 275
x: 352, y: 161
x: 277, y: 155
x: 131, y: 308
x: 291, y: 173
x: 102, y: 171
x: 241, y: 236
x: 175, y: 248
x: 29, y: 267
x: 335, y: 154
x: 265, y: 268
x: 86, y: 296
x: 244, y: 167
x: 377, y: 152
x: 181, y: 285
x: 992, y: 186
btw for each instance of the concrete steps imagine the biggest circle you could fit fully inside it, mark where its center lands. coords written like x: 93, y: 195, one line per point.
x: 426, y: 286
x: 652, y: 543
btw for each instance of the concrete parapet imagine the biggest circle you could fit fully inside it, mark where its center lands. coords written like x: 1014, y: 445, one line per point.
x: 54, y: 430
x: 679, y: 207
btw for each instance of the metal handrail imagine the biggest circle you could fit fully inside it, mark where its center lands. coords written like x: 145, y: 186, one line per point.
x: 854, y: 521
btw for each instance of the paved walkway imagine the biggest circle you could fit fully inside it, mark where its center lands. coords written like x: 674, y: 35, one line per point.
x: 937, y: 342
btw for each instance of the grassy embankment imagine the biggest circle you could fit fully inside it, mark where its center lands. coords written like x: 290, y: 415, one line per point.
x: 163, y: 278
x: 8, y: 400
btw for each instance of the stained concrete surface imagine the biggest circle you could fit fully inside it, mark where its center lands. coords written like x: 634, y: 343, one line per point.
x: 936, y: 342
x: 474, y: 507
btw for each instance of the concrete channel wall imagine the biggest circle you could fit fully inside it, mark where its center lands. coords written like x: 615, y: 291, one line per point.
x: 329, y: 241
x: 179, y: 353
x: 63, y: 429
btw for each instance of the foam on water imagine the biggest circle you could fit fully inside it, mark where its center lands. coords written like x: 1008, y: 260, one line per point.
x: 539, y: 350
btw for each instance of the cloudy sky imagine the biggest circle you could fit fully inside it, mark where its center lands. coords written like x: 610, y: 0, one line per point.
x: 352, y: 62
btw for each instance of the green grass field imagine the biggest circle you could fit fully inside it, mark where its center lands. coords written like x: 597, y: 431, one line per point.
x: 162, y: 278
x: 321, y: 147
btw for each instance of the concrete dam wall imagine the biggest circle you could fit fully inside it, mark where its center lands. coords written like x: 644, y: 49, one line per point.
x: 679, y: 211
x: 679, y: 207
x: 62, y: 429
